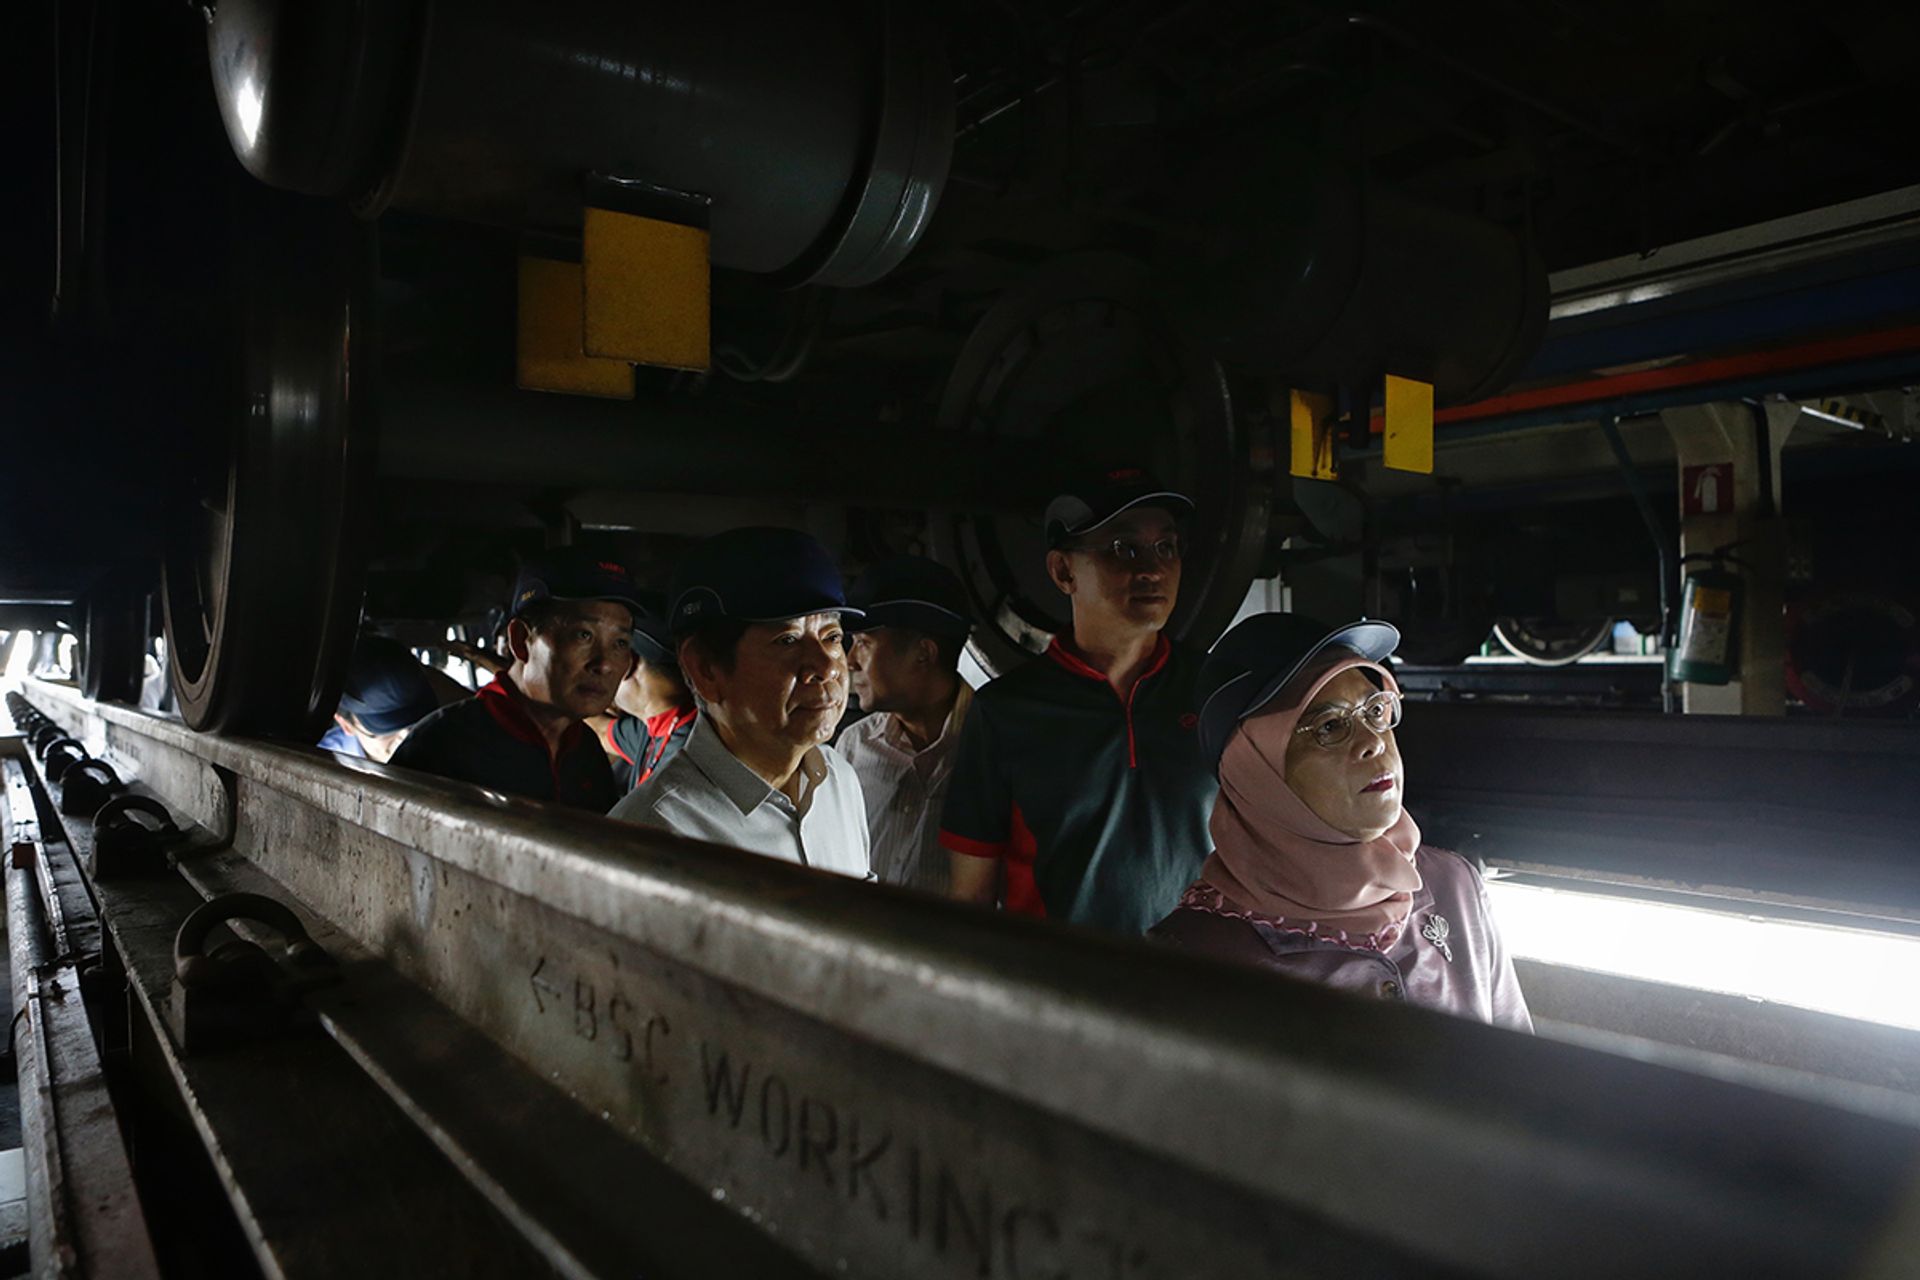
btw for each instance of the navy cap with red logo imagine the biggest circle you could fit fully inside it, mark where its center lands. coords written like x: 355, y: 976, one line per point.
x: 1101, y: 496
x: 756, y: 574
x: 567, y: 573
x: 915, y: 593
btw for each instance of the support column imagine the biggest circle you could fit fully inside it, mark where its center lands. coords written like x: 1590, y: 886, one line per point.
x: 1729, y: 494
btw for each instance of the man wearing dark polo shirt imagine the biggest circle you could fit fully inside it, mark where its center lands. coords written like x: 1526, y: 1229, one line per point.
x: 1080, y: 792
x: 571, y: 640
x: 653, y: 712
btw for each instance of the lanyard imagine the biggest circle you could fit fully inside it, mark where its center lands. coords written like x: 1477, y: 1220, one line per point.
x: 657, y: 746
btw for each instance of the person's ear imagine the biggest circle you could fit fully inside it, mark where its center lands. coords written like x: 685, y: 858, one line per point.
x: 926, y: 652
x: 1060, y: 570
x: 699, y: 671
x: 633, y: 654
x: 519, y: 640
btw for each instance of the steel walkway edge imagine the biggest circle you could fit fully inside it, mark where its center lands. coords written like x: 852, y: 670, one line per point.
x: 83, y: 1214
x: 889, y: 1085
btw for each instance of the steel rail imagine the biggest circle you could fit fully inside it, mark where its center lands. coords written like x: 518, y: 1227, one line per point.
x: 322, y: 1174
x: 893, y: 1085
x: 446, y: 1192
x: 324, y: 1177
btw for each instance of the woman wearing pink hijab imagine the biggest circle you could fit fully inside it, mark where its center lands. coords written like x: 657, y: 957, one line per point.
x: 1318, y: 870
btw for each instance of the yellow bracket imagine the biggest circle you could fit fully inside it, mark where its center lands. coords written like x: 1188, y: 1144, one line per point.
x: 647, y: 297
x: 1409, y: 426
x: 1313, y: 428
x: 551, y: 352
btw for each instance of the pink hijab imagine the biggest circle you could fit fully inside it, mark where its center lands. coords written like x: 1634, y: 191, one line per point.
x: 1275, y: 858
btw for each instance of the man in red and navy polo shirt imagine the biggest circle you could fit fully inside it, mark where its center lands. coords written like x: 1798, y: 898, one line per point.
x: 571, y: 640
x: 653, y: 713
x: 1080, y: 792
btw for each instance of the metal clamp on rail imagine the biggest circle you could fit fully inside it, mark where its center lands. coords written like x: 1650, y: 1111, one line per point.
x: 50, y: 737
x: 238, y: 991
x: 86, y: 786
x: 61, y: 755
x: 122, y: 844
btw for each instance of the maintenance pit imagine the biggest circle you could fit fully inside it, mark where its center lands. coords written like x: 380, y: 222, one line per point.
x: 1581, y: 348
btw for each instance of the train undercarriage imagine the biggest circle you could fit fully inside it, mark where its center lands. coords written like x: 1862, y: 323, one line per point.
x: 1519, y: 330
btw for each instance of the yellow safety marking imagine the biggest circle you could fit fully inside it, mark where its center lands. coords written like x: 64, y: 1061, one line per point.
x: 1857, y: 414
x: 646, y: 290
x: 1713, y: 600
x: 1409, y: 425
x: 1313, y: 427
x: 551, y: 353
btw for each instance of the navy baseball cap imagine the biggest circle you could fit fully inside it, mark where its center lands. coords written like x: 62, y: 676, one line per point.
x: 1101, y: 496
x: 386, y: 688
x: 567, y: 573
x: 757, y: 574
x: 1254, y: 660
x: 913, y: 592
x: 652, y: 639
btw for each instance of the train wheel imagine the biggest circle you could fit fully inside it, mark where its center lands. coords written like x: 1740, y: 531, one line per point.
x: 1550, y: 643
x: 262, y: 573
x: 1442, y: 612
x: 1078, y: 368
x: 1440, y: 642
x: 1855, y: 653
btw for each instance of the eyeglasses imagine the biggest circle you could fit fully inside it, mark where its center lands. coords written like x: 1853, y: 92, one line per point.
x: 1127, y: 551
x: 1379, y: 713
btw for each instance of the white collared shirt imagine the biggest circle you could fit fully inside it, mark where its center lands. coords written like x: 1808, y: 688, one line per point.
x: 905, y: 790
x: 708, y: 794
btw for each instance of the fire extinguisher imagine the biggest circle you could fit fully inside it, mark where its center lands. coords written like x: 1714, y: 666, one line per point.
x: 1708, y: 651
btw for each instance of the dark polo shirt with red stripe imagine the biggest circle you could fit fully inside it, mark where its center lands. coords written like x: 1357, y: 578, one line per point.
x: 490, y: 741
x: 1097, y: 803
x: 642, y: 746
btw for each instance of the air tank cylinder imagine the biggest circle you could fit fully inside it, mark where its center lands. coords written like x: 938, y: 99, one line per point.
x: 821, y: 132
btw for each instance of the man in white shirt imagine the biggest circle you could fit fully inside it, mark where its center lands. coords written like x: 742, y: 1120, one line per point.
x: 756, y: 614
x: 904, y: 661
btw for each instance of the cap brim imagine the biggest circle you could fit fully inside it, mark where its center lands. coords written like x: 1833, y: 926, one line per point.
x: 1178, y: 503
x: 923, y: 615
x: 380, y: 726
x: 1374, y: 641
x: 651, y: 648
x: 681, y: 625
x: 807, y: 611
